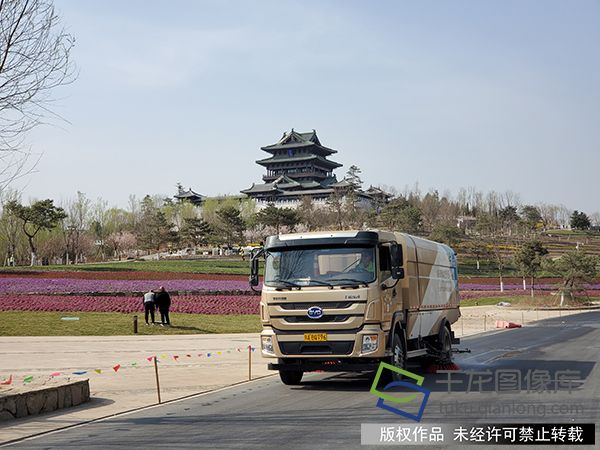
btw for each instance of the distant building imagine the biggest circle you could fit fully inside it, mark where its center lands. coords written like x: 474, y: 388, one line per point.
x: 298, y: 167
x: 189, y: 195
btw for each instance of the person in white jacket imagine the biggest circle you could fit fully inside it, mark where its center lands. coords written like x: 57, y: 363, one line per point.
x: 149, y: 306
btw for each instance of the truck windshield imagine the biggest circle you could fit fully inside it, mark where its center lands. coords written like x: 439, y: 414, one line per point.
x: 335, y: 266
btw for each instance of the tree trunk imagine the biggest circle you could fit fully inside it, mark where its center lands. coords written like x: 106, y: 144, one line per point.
x: 524, y: 283
x: 478, y: 264
x: 501, y: 283
x: 32, y: 248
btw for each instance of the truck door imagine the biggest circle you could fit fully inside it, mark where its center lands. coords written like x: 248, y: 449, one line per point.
x: 390, y: 298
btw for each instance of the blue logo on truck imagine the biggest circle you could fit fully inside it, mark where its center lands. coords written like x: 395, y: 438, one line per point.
x: 314, y: 312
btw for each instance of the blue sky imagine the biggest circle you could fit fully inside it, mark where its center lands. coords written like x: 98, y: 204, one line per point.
x: 498, y: 95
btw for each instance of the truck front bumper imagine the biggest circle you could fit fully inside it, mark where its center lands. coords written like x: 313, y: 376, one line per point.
x: 327, y: 366
x: 346, y: 344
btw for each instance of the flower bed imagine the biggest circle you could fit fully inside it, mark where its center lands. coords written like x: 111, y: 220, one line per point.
x: 120, y: 275
x: 466, y: 295
x: 64, y: 285
x: 184, y: 304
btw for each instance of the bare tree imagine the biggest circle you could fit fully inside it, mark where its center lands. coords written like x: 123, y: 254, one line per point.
x: 34, y: 59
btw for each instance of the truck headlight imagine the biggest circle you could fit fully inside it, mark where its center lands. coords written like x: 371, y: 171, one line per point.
x: 369, y: 343
x: 267, y: 344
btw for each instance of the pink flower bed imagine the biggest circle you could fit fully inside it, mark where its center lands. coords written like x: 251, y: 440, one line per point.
x: 466, y: 295
x: 222, y: 304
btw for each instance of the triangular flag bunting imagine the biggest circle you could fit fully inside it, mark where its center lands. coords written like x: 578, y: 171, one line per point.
x: 163, y: 356
x: 175, y: 357
x: 7, y: 381
x: 208, y: 355
x: 55, y: 374
x: 98, y: 371
x: 150, y: 358
x: 189, y: 356
x: 117, y: 367
x: 28, y: 379
x: 238, y: 349
x: 200, y: 354
x: 134, y: 364
x: 83, y: 372
x: 218, y: 353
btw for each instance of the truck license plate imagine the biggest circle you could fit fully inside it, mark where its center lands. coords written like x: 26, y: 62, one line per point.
x: 315, y: 337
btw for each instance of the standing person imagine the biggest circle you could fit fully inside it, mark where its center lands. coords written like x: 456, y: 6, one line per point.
x: 163, y: 301
x: 148, y: 301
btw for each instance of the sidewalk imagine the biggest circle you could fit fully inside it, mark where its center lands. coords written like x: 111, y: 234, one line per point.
x: 132, y: 386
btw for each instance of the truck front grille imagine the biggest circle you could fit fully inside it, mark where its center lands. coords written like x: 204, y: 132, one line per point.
x: 306, y: 319
x: 323, y: 305
x: 317, y: 348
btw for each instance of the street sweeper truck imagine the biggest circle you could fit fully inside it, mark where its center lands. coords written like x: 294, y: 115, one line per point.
x: 347, y: 300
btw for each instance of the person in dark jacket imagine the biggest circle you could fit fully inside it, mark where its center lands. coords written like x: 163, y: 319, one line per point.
x: 163, y: 301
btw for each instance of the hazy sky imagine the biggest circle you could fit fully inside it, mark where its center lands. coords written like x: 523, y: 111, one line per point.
x: 500, y: 95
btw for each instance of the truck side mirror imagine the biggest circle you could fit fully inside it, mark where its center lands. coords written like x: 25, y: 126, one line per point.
x: 397, y: 261
x: 253, y: 278
x: 397, y: 273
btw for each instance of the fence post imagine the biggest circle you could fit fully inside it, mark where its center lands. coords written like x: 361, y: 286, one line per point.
x: 249, y: 362
x: 157, y: 380
x: 135, y: 325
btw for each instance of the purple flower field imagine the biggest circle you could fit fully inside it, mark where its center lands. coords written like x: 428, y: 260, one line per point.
x: 515, y: 287
x: 65, y: 285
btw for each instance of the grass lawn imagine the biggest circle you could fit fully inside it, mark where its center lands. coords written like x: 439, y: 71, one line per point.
x: 37, y: 323
x: 216, y: 265
x: 526, y: 301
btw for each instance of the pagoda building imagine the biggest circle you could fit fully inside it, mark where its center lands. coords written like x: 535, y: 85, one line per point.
x: 189, y: 195
x: 298, y: 167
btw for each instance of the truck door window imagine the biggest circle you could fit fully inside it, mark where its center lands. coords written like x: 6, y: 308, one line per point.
x: 385, y: 266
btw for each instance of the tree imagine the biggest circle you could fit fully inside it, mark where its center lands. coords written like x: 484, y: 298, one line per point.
x: 446, y: 234
x: 580, y: 221
x: 479, y: 249
x: 528, y: 259
x: 9, y: 227
x: 353, y: 176
x: 231, y: 225
x: 575, y: 268
x: 400, y: 215
x: 508, y: 218
x: 531, y: 216
x: 75, y: 225
x: 40, y: 215
x: 195, y: 232
x: 272, y: 216
x: 34, y: 59
x: 153, y: 229
x: 491, y: 225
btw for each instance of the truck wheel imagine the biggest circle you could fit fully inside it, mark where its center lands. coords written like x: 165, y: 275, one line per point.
x: 445, y: 346
x: 398, y: 355
x: 291, y: 377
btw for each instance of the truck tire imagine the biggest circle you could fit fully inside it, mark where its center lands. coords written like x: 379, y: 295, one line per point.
x: 445, y: 346
x: 398, y: 354
x: 291, y: 377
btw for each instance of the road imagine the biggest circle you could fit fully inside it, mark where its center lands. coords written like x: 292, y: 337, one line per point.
x: 327, y: 410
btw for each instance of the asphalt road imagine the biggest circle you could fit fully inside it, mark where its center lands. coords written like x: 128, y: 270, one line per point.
x: 328, y: 409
